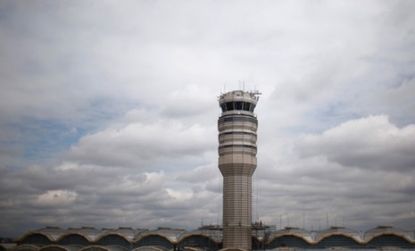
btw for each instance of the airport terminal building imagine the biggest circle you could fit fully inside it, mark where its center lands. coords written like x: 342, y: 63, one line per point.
x: 237, y: 162
x: 209, y: 238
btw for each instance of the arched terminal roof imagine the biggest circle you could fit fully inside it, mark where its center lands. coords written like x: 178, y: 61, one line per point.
x: 214, y: 235
x: 124, y: 232
x: 54, y: 247
x: 52, y: 234
x: 119, y: 239
x: 149, y: 248
x: 171, y: 234
x: 232, y: 249
x: 55, y: 234
x: 359, y: 237
x: 102, y: 248
x: 291, y: 231
x: 388, y: 230
x: 355, y: 235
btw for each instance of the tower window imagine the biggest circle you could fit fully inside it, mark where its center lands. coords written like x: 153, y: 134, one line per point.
x: 238, y: 105
x: 223, y: 106
x: 229, y: 106
x: 246, y: 106
x: 242, y: 106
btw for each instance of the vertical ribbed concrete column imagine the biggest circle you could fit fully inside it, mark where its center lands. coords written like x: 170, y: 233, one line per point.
x: 237, y: 162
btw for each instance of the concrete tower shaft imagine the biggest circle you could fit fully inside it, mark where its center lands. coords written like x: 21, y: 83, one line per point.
x: 237, y: 162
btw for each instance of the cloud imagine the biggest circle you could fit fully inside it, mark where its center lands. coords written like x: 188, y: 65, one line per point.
x: 372, y: 142
x: 118, y: 106
x: 358, y: 173
x: 142, y: 144
x: 56, y: 198
x: 85, y: 194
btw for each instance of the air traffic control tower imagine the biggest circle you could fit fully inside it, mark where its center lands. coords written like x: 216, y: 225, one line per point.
x: 237, y: 127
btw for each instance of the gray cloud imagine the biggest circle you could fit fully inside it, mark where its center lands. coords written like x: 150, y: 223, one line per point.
x: 162, y: 140
x: 371, y: 142
x: 349, y: 174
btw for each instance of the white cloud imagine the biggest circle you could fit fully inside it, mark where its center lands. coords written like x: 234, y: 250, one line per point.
x: 56, y: 198
x: 371, y: 142
x: 143, y: 144
x: 179, y: 195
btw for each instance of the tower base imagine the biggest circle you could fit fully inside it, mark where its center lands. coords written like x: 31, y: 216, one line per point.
x: 238, y: 237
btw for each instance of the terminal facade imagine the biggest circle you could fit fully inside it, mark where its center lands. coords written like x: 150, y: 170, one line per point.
x: 209, y: 239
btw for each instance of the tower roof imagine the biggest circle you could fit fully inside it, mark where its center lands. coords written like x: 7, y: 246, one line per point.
x: 239, y: 95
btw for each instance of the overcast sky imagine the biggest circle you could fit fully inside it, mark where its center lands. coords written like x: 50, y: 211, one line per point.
x: 108, y: 111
